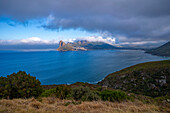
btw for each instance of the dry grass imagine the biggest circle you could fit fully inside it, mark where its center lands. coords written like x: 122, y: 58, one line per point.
x: 51, y: 105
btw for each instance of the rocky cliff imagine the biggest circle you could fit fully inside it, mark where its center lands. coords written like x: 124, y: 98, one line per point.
x: 83, y: 45
x: 61, y: 43
x: 69, y: 47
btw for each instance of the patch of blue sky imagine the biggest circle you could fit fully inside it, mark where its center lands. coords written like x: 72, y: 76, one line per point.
x: 13, y: 30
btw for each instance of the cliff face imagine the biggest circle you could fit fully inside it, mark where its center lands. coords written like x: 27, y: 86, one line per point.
x: 64, y: 47
x: 151, y: 79
x: 61, y: 43
x: 68, y: 47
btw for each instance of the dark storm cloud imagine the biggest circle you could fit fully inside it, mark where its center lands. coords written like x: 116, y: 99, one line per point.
x: 135, y: 19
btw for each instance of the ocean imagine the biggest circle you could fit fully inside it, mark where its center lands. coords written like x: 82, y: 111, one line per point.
x: 54, y: 67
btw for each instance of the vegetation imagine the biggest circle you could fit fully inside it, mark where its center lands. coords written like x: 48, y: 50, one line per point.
x: 60, y: 91
x: 116, y: 95
x: 163, y: 50
x: 19, y: 85
x: 85, y: 94
x: 151, y: 79
x: 49, y: 93
x: 68, y: 106
x: 3, y: 87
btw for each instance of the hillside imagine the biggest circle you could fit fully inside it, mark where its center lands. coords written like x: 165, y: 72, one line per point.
x: 163, y: 50
x: 54, y: 105
x: 22, y: 93
x: 151, y: 79
x: 83, y: 45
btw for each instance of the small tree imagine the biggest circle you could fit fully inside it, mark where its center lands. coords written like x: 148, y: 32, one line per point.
x: 21, y: 85
x: 113, y: 95
x: 3, y: 87
x: 62, y: 91
x: 84, y: 93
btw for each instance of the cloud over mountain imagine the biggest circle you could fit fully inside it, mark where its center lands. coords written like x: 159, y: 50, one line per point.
x: 144, y: 20
x: 108, y: 40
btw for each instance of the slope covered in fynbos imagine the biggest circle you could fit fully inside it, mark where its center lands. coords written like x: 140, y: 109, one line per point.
x: 151, y: 79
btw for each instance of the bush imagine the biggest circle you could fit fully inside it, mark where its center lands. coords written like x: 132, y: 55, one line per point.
x: 3, y: 87
x: 84, y: 93
x: 91, y: 96
x: 62, y: 91
x: 49, y: 92
x: 20, y: 85
x: 113, y: 95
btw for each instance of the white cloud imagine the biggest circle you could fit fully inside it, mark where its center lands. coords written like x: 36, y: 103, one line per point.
x: 109, y: 40
x: 141, y: 42
x: 31, y: 40
x: 37, y: 40
x: 69, y: 40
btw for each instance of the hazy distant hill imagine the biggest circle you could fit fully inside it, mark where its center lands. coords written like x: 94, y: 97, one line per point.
x: 98, y: 45
x: 151, y: 79
x: 163, y: 50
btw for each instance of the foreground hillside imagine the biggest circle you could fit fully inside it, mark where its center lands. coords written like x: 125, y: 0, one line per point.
x: 151, y: 79
x: 53, y: 105
x: 163, y: 50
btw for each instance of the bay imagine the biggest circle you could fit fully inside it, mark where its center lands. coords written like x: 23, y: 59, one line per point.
x: 54, y: 67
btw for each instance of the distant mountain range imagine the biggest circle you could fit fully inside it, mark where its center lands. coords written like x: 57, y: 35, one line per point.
x: 83, y: 45
x: 163, y: 50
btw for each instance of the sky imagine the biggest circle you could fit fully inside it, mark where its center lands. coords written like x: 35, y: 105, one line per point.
x: 123, y: 22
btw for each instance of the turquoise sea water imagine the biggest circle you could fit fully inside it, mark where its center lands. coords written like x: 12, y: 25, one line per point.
x: 53, y: 67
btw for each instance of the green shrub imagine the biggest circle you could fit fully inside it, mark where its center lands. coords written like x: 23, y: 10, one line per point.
x: 84, y: 93
x: 62, y: 91
x: 162, y: 98
x: 3, y: 87
x: 113, y: 95
x: 99, y: 88
x: 49, y: 92
x: 20, y: 85
x: 91, y: 96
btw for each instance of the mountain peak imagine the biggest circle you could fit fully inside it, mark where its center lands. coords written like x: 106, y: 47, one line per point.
x: 61, y: 43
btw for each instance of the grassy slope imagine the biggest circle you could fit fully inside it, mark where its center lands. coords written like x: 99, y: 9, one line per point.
x: 163, y: 50
x: 151, y: 78
x: 51, y: 105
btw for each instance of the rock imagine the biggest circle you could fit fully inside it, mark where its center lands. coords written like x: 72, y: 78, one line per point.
x: 162, y: 82
x: 61, y: 43
x: 152, y: 86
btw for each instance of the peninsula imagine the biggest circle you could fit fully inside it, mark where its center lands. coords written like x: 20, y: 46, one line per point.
x: 83, y: 45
